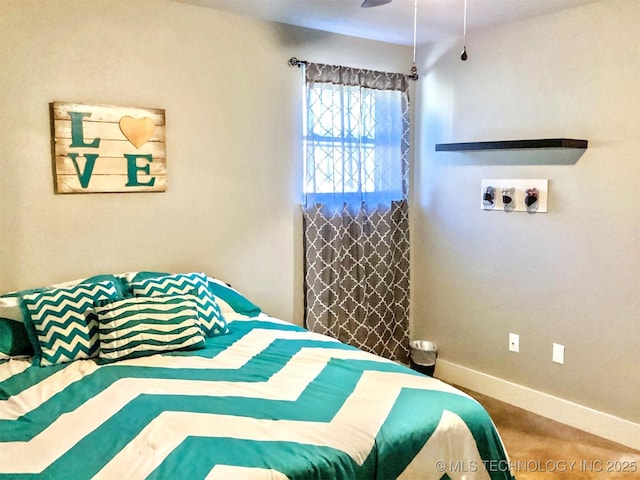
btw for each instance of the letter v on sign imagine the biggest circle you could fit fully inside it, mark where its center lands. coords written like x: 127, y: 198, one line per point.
x: 84, y: 176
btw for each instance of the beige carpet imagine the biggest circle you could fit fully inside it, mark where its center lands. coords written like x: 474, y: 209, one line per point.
x: 540, y: 448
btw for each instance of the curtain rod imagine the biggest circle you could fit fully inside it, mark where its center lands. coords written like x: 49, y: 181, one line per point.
x: 294, y: 62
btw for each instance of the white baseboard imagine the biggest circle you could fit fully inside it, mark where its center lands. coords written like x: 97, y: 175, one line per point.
x: 569, y: 413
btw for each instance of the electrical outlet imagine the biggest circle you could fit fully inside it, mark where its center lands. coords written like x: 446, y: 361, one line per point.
x: 558, y: 353
x: 514, y: 342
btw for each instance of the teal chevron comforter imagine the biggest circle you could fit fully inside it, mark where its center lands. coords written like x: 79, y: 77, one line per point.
x: 269, y: 400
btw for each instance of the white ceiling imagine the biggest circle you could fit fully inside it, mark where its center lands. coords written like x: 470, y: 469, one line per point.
x: 393, y: 22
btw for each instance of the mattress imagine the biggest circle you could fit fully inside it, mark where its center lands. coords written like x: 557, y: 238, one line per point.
x: 268, y: 400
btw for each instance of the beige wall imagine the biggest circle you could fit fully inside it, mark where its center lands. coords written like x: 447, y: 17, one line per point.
x: 570, y: 276
x: 233, y: 115
x: 232, y: 208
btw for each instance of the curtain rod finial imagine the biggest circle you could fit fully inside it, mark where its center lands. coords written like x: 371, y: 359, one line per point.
x: 294, y: 62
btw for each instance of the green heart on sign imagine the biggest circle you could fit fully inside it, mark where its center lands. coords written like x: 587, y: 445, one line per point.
x: 137, y: 130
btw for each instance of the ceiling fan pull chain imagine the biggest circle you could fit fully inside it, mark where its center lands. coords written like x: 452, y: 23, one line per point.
x: 463, y: 57
x: 413, y: 73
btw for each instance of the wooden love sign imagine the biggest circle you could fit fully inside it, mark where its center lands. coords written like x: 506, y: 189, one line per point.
x: 102, y: 148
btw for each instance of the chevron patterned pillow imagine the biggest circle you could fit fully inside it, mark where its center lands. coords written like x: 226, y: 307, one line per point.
x: 64, y: 321
x: 15, y: 339
x: 139, y: 326
x: 211, y: 319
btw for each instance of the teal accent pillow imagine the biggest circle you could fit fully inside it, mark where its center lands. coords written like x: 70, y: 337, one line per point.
x: 64, y: 322
x: 140, y: 326
x: 239, y: 303
x: 16, y: 338
x: 119, y: 282
x: 211, y: 319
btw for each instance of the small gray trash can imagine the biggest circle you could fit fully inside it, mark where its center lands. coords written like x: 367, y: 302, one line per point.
x: 423, y: 356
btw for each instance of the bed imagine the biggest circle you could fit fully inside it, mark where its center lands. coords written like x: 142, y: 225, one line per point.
x: 179, y: 376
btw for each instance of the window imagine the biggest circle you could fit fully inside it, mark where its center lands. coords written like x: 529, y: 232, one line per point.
x: 354, y: 145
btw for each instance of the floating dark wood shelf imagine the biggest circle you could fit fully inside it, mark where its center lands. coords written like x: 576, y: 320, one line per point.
x: 512, y: 145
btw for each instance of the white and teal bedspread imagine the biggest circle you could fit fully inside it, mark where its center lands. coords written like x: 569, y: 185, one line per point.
x: 269, y: 400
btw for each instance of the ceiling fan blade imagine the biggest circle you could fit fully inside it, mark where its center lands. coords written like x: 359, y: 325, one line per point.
x: 374, y: 3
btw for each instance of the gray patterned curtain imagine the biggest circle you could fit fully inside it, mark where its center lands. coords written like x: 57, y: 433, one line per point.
x: 356, y: 219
